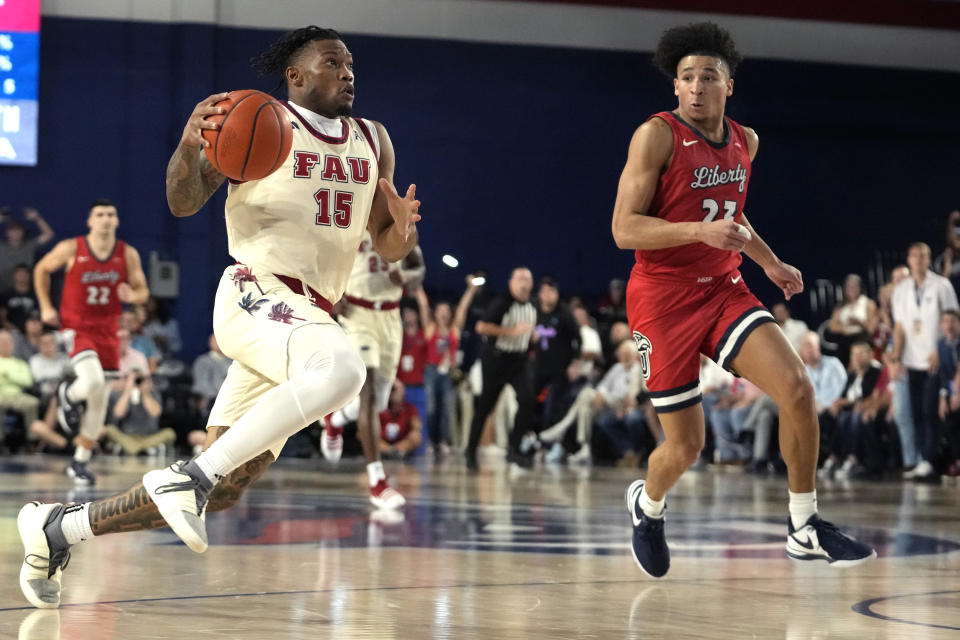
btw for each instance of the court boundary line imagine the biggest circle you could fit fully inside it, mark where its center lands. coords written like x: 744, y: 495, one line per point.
x: 864, y: 608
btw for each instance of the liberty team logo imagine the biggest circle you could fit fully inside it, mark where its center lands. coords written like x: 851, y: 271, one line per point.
x: 644, y: 349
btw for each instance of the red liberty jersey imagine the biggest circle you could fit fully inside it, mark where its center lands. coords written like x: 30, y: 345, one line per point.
x: 90, y: 288
x: 705, y: 181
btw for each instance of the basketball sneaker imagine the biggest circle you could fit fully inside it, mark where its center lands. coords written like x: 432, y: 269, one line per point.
x: 331, y: 440
x: 181, y: 497
x: 821, y: 540
x: 383, y: 496
x: 80, y: 473
x: 43, y: 561
x: 650, y: 549
x: 68, y: 413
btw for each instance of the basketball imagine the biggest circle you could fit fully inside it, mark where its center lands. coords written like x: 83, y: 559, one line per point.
x: 254, y: 137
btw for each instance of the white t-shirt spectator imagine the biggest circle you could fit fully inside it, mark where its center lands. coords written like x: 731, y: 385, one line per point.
x: 713, y: 377
x: 615, y: 386
x: 589, y: 343
x: 917, y: 310
x: 48, y: 372
x: 794, y: 330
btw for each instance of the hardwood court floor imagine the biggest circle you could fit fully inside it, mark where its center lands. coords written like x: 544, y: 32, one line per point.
x: 542, y: 555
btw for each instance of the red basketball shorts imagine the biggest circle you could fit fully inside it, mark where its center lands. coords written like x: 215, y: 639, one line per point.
x: 674, y: 322
x: 102, y: 340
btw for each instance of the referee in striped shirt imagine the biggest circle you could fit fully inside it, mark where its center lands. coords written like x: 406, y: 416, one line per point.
x: 507, y: 326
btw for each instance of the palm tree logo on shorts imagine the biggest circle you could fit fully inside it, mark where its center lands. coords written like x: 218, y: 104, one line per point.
x: 281, y: 312
x: 250, y: 304
x: 243, y: 274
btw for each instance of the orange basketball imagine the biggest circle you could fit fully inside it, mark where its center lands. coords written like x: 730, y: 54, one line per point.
x: 254, y: 137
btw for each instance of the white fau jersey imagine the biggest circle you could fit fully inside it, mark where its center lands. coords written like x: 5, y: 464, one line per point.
x: 370, y: 278
x: 306, y: 219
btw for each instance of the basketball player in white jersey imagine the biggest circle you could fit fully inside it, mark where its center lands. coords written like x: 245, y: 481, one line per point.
x: 296, y: 233
x: 370, y: 315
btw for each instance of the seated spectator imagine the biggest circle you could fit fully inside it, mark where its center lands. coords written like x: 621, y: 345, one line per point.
x: 854, y: 319
x: 619, y: 332
x: 18, y: 249
x: 829, y: 378
x: 130, y: 360
x: 400, y: 426
x: 613, y: 307
x: 591, y: 350
x: 621, y: 419
x: 848, y: 412
x: 19, y: 302
x: 136, y: 411
x: 794, y: 330
x: 27, y: 342
x: 15, y: 384
x: 209, y: 372
x: 130, y: 321
x: 161, y: 327
x: 48, y: 368
x: 728, y: 419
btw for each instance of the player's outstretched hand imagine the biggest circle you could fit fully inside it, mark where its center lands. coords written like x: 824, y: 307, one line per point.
x: 196, y: 123
x: 404, y: 210
x: 724, y: 234
x: 786, y: 277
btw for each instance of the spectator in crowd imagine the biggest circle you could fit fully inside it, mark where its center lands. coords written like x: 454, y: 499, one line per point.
x: 918, y: 303
x: 19, y: 302
x: 508, y: 326
x: 556, y: 342
x: 400, y: 428
x: 828, y: 377
x: 48, y: 368
x: 209, y: 372
x: 883, y: 335
x: 613, y: 307
x: 130, y: 360
x: 854, y: 319
x: 728, y: 419
x: 619, y: 331
x: 18, y: 249
x: 413, y: 359
x: 949, y: 410
x: 15, y: 384
x: 947, y: 263
x: 161, y: 327
x: 131, y: 321
x: 715, y: 383
x: 848, y: 412
x: 441, y: 333
x: 27, y: 343
x: 591, y: 349
x: 794, y: 330
x: 620, y: 418
x: 136, y: 410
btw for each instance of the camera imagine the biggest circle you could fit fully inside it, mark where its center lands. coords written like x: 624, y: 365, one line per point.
x: 138, y: 380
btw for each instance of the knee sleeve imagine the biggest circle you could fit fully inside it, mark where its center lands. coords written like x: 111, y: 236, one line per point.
x: 325, y: 370
x: 90, y: 376
x: 91, y: 425
x: 381, y: 390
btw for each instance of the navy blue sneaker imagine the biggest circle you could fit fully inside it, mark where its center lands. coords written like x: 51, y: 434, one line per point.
x: 649, y: 544
x: 80, y: 473
x: 68, y: 413
x: 821, y: 540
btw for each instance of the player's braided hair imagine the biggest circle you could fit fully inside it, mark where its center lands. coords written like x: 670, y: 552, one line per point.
x: 278, y: 55
x: 698, y: 39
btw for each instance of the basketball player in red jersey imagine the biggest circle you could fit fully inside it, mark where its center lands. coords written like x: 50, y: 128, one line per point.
x: 102, y: 272
x: 680, y: 205
x: 292, y: 364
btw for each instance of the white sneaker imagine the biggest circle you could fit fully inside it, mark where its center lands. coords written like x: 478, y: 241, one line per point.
x: 383, y: 496
x: 331, y: 441
x: 923, y: 470
x: 846, y: 470
x: 181, y: 501
x: 826, y: 471
x: 582, y: 456
x: 555, y: 455
x: 41, y: 570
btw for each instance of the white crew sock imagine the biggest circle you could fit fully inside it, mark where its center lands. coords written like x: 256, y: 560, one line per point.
x: 376, y: 473
x: 76, y: 523
x: 82, y: 454
x: 802, y: 506
x: 651, y: 508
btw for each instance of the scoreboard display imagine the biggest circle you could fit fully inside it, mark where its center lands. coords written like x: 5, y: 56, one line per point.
x: 19, y: 70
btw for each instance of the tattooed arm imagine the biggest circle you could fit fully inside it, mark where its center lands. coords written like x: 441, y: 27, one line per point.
x: 191, y: 179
